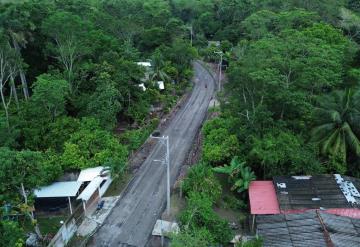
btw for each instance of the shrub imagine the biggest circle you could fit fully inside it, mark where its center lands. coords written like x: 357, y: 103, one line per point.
x: 201, y: 179
x: 199, y: 213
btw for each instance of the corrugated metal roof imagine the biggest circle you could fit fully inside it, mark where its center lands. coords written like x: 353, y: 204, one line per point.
x: 348, y: 212
x: 320, y: 191
x: 58, y: 189
x: 89, y: 174
x: 263, y: 198
x: 90, y: 189
x: 307, y: 229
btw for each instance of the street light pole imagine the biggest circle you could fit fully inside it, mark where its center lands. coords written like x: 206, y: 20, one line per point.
x: 168, y: 176
x: 191, y: 34
x: 220, y: 67
x: 165, y: 141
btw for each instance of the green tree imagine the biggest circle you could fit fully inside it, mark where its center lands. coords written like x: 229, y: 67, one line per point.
x: 8, y: 70
x: 280, y: 152
x: 219, y: 144
x: 337, y: 124
x: 105, y: 103
x: 350, y: 22
x: 284, y: 72
x: 157, y: 66
x: 49, y: 96
x: 91, y: 146
x: 68, y: 33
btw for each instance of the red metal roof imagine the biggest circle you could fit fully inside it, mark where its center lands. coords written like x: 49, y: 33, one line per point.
x: 263, y: 199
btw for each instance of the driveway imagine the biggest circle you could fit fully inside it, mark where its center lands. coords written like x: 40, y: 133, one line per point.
x: 131, y: 221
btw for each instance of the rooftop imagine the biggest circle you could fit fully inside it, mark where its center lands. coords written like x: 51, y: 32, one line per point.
x: 145, y: 64
x: 90, y: 173
x: 90, y: 189
x: 58, y: 189
x: 320, y: 191
x: 263, y: 198
x: 310, y: 229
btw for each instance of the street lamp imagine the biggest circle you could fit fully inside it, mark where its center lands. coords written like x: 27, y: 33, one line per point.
x: 164, y: 140
x: 220, y: 67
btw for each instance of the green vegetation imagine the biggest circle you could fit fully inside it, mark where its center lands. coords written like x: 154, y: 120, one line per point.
x: 68, y: 77
x: 239, y: 174
x: 201, y: 179
x: 291, y: 102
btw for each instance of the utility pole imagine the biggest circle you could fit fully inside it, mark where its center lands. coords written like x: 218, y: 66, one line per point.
x: 164, y: 140
x: 220, y: 67
x: 191, y: 34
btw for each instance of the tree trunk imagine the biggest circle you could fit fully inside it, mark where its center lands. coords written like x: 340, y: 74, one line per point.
x: 21, y: 72
x: 5, y: 106
x: 13, y: 89
x: 31, y: 214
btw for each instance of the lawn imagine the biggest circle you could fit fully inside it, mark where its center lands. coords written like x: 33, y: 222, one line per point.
x: 48, y: 225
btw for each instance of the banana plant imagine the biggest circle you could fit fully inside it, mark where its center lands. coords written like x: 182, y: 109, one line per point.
x: 239, y: 174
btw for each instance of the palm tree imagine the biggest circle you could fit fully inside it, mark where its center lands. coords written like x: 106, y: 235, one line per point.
x: 158, y: 64
x: 338, y: 124
x: 239, y: 174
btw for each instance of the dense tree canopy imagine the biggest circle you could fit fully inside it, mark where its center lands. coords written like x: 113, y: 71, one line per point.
x: 69, y: 83
x: 69, y: 76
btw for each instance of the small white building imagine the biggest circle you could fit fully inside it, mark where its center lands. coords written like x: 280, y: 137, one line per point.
x: 98, y: 181
x: 90, y: 186
x: 144, y: 64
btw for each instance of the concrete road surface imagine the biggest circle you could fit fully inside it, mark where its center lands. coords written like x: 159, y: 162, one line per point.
x: 131, y: 221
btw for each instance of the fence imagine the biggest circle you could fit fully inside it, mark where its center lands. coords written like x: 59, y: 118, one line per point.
x: 68, y: 229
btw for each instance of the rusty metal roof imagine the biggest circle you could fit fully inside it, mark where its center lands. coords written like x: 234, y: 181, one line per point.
x: 310, y: 229
x: 320, y: 191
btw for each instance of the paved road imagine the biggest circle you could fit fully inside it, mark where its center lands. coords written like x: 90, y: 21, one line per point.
x: 132, y: 219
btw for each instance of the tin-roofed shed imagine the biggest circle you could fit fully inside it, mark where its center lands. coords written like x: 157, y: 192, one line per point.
x: 59, y: 190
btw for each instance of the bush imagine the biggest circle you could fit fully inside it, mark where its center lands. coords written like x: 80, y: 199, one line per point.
x: 201, y: 179
x: 197, y: 238
x: 257, y: 242
x: 133, y: 139
x: 230, y: 201
x: 11, y: 234
x: 199, y: 214
x: 220, y: 145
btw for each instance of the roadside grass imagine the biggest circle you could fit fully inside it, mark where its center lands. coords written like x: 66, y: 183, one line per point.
x: 118, y: 184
